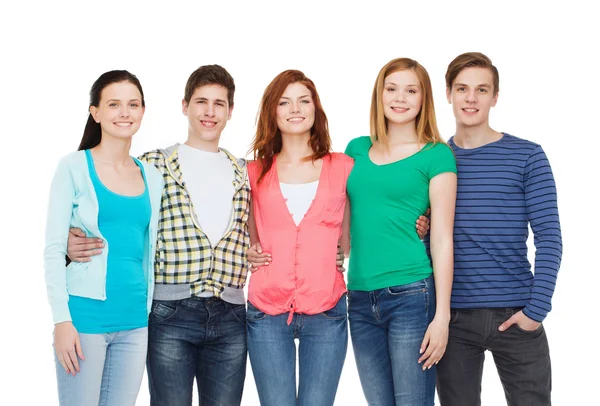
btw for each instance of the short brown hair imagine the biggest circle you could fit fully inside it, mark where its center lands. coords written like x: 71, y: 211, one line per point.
x: 471, y: 60
x: 210, y: 75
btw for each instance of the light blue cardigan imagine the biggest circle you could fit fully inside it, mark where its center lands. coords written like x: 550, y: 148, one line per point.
x: 73, y: 203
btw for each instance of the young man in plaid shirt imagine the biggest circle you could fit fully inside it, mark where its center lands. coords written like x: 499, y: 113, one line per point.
x: 197, y: 323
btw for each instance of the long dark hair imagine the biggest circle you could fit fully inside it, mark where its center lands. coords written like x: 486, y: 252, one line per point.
x: 92, y: 135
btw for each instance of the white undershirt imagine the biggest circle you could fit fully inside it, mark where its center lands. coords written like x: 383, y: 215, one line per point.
x: 209, y: 178
x: 298, y: 198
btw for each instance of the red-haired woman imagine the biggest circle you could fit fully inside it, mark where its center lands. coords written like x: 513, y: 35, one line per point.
x: 298, y: 200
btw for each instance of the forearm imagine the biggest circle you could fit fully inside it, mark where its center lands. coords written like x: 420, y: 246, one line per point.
x: 443, y: 272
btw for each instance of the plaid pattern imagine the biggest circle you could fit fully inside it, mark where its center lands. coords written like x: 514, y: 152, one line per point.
x: 183, y: 252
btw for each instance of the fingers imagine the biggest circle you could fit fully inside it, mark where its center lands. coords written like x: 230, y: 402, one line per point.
x: 433, y: 355
x: 258, y: 248
x: 74, y: 360
x: 77, y: 232
x: 82, y: 249
x: 78, y: 349
x: 341, y: 269
x: 67, y: 362
x: 504, y: 326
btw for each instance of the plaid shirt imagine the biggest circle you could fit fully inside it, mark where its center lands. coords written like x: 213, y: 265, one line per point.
x: 184, y: 254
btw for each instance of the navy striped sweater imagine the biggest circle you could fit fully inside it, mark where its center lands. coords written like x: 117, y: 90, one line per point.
x: 503, y: 186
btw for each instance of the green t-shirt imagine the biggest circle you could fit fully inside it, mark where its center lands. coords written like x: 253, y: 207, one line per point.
x: 385, y: 202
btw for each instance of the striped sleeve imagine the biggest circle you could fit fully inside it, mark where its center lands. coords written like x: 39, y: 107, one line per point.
x: 542, y: 213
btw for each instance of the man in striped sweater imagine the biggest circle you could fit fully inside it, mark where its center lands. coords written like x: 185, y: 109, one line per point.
x: 498, y: 304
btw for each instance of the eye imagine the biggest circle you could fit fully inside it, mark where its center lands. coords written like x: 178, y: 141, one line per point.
x: 113, y: 104
x: 482, y: 90
x: 460, y: 89
x: 283, y: 103
x: 390, y: 89
x: 413, y: 91
x: 305, y: 101
x: 134, y: 105
x: 200, y: 101
x: 220, y: 104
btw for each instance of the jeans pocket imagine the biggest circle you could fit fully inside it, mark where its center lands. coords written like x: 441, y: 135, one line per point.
x: 408, y: 289
x: 253, y: 314
x: 535, y: 332
x: 339, y: 311
x: 239, y: 313
x: 163, y: 310
x: 453, y: 316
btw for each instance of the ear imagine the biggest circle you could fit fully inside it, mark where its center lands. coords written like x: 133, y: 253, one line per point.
x: 184, y: 107
x: 448, y: 94
x: 94, y: 113
x: 230, y: 111
x: 495, y: 100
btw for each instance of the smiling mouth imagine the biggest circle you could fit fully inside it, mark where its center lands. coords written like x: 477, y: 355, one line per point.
x: 295, y: 119
x: 124, y: 125
x: 399, y: 109
x: 208, y: 124
x: 470, y: 110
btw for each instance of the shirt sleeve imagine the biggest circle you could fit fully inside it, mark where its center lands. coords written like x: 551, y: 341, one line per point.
x: 542, y: 213
x: 350, y: 149
x: 60, y: 207
x: 443, y: 160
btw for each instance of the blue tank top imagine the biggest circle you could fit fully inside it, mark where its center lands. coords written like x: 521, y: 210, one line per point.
x: 123, y: 222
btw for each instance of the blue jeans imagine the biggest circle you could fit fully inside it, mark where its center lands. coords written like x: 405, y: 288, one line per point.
x: 201, y: 338
x: 323, y: 341
x: 110, y: 374
x: 387, y: 327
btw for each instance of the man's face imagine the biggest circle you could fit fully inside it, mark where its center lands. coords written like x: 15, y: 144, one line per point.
x: 472, y: 96
x: 208, y: 112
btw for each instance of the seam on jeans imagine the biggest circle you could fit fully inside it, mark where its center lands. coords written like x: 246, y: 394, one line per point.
x: 108, y: 372
x: 232, y: 309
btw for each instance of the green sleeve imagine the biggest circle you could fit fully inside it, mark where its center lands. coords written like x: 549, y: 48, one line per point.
x: 443, y: 160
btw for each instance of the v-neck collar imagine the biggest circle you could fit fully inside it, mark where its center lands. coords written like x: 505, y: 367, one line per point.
x: 275, y: 180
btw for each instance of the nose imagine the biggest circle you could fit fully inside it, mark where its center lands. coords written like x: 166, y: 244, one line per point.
x: 210, y: 110
x: 294, y: 107
x: 124, y: 110
x: 400, y: 97
x: 471, y: 96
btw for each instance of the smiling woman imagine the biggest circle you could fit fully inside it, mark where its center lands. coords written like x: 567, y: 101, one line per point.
x: 100, y: 308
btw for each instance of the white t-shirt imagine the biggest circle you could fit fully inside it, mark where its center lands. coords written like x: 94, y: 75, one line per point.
x: 209, y: 178
x: 298, y: 198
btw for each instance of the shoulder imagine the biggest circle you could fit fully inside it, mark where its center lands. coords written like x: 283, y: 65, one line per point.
x: 341, y: 157
x: 520, y: 143
x: 441, y: 150
x: 358, y: 144
x: 73, y: 160
x: 156, y: 156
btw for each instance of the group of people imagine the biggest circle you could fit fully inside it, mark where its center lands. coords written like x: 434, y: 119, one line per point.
x: 435, y: 232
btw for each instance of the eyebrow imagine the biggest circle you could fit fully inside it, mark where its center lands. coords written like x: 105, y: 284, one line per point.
x: 205, y: 99
x: 481, y: 85
x: 301, y: 97
x: 118, y: 100
x: 392, y: 83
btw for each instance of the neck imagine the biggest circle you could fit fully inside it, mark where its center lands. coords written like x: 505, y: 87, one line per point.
x: 295, y: 148
x: 475, y: 136
x: 402, y: 133
x: 203, y: 145
x: 113, y: 150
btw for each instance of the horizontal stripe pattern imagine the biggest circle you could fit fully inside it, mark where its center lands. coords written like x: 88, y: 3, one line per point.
x: 503, y: 187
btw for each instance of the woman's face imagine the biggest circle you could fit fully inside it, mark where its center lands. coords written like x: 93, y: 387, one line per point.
x: 295, y: 110
x: 120, y: 110
x: 402, y: 97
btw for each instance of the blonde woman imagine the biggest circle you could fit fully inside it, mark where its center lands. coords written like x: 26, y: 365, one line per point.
x: 399, y: 299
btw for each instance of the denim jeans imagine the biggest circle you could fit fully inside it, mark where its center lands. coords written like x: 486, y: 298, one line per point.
x: 110, y: 374
x: 387, y: 327
x: 201, y: 338
x: 323, y: 341
x: 522, y: 359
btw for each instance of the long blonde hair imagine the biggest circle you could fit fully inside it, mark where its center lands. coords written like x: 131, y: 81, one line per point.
x: 427, y: 130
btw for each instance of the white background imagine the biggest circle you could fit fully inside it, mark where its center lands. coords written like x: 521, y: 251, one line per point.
x: 53, y: 51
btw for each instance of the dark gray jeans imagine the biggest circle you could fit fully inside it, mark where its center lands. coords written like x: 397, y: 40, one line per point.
x: 521, y: 357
